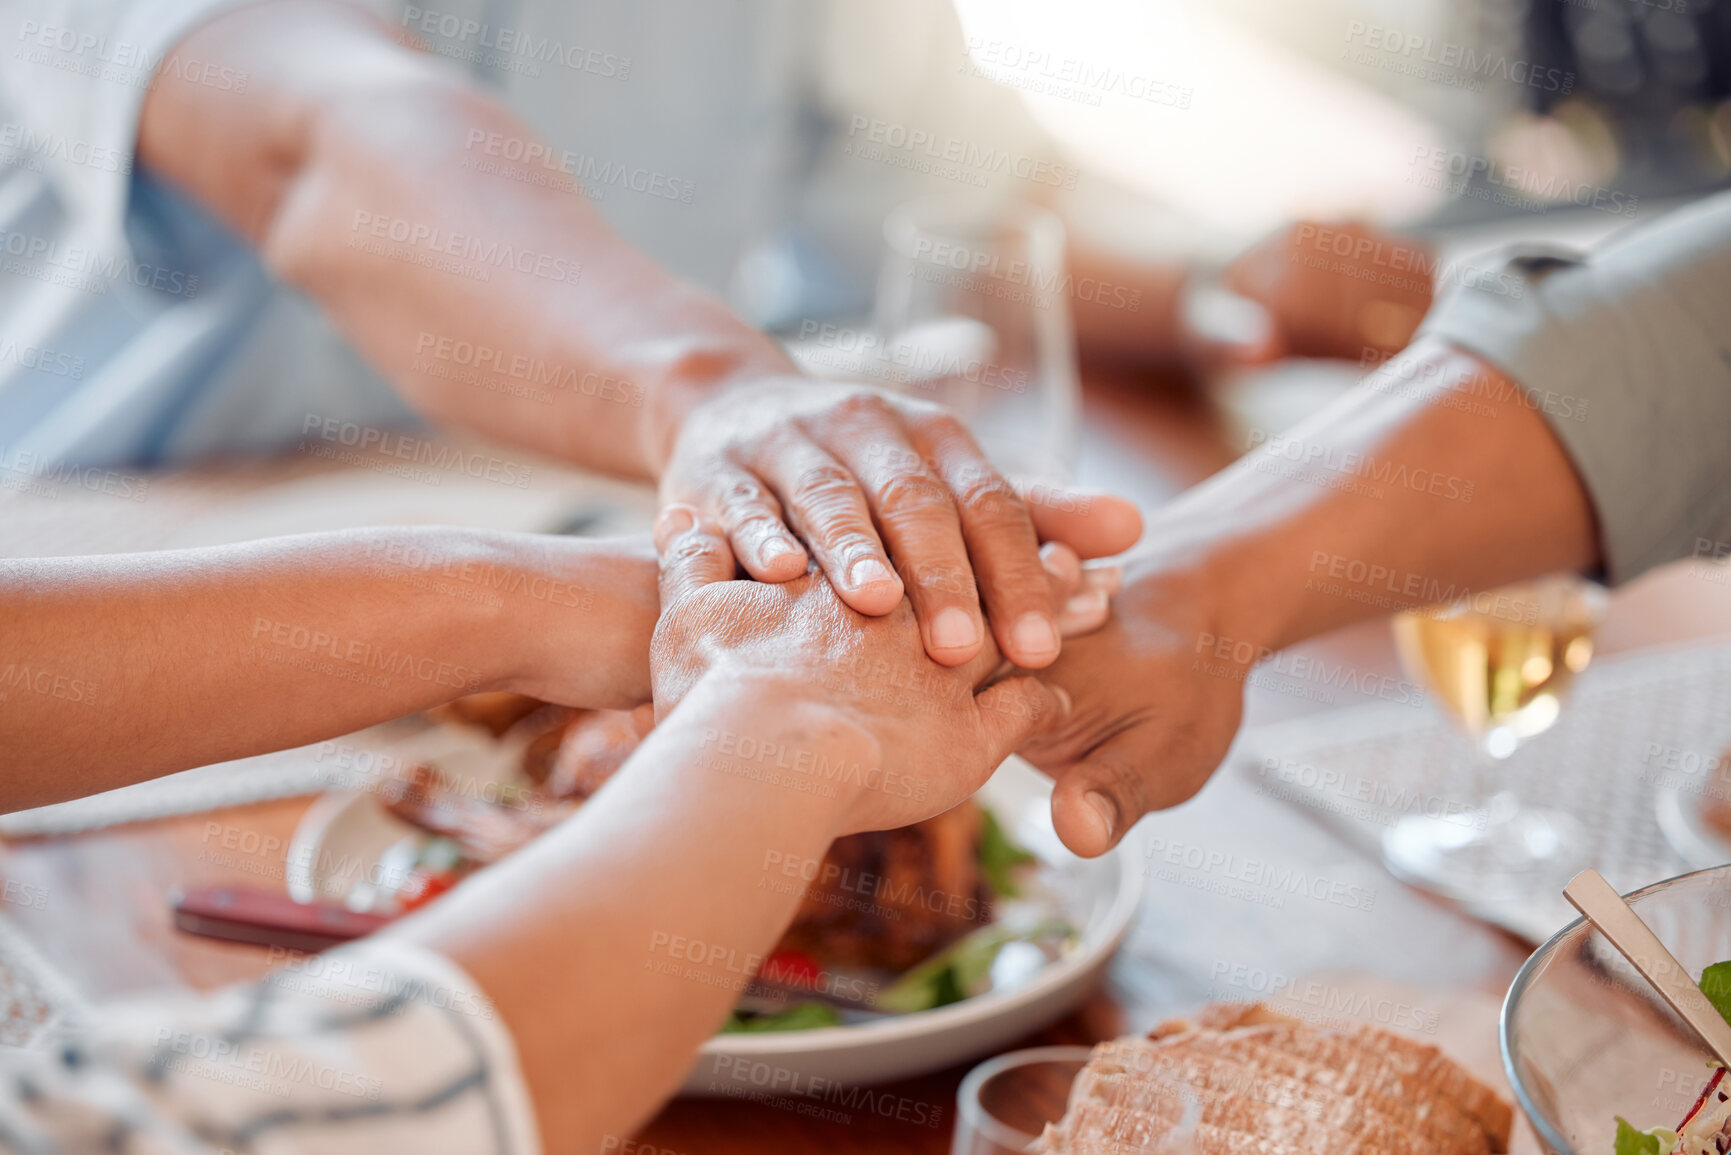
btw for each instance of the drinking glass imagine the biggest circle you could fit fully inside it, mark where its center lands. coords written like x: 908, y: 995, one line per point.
x: 1005, y: 1103
x: 1501, y: 661
x: 973, y: 312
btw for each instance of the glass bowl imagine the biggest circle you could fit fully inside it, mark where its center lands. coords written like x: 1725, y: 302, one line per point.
x: 1004, y: 1104
x: 1585, y: 1039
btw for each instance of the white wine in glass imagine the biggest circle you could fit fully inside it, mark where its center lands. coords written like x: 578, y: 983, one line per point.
x: 1501, y: 662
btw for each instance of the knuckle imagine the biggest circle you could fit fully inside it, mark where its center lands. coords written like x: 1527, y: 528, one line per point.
x: 1129, y: 787
x: 894, y: 457
x: 743, y: 493
x: 920, y: 411
x: 1190, y: 757
x: 914, y: 493
x: 848, y: 546
x: 753, y: 524
x: 986, y: 495
x: 940, y: 425
x: 824, y: 482
x: 747, y: 508
x: 692, y: 549
x: 863, y: 404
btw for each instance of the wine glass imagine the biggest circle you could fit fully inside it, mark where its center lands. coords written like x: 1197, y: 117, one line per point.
x: 1501, y: 662
x: 973, y: 312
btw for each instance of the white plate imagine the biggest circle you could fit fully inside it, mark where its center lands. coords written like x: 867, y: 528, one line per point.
x: 1679, y: 813
x: 343, y: 835
x: 1098, y: 895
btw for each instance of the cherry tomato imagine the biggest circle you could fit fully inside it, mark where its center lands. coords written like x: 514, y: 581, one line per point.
x: 420, y: 888
x: 790, y: 968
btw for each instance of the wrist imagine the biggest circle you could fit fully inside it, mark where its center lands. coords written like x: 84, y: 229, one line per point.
x: 698, y: 373
x: 770, y: 733
x: 1367, y: 509
x: 1191, y: 600
x: 577, y: 618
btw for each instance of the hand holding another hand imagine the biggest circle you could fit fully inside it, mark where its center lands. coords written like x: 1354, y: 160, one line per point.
x: 890, y: 496
x: 935, y: 734
x: 1152, y: 714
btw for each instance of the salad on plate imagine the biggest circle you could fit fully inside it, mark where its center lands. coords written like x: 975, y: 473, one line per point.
x: 892, y: 922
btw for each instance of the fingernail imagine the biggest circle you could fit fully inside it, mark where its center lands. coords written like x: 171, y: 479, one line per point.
x: 1066, y: 706
x: 673, y: 521
x: 954, y: 629
x: 1086, y: 604
x: 774, y: 549
x: 1106, y: 809
x: 869, y: 572
x: 1109, y: 578
x: 1060, y: 561
x: 1035, y: 634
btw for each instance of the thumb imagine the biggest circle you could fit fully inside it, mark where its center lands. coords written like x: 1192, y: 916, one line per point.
x: 1090, y: 523
x: 694, y: 553
x: 1014, y: 709
x: 1098, y: 798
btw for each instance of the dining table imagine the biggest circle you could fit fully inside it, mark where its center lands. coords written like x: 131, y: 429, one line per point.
x: 105, y: 924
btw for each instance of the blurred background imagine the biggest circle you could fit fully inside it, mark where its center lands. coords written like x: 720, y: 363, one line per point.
x: 759, y: 147
x: 1407, y: 114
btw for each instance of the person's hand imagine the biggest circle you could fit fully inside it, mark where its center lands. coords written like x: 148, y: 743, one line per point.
x: 1313, y: 290
x: 890, y: 496
x: 937, y: 734
x: 559, y: 595
x: 1155, y: 701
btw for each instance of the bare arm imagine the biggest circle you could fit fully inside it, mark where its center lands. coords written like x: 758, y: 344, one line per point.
x: 349, y: 157
x: 121, y: 668
x: 616, y: 943
x: 350, y: 162
x: 1434, y: 478
x: 1559, y: 411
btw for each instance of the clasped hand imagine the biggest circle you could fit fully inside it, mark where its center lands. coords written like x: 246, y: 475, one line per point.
x: 941, y: 728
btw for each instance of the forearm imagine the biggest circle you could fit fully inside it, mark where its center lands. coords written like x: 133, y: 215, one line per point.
x: 507, y: 307
x: 1126, y: 309
x: 121, y: 668
x: 1434, y: 478
x: 584, y: 941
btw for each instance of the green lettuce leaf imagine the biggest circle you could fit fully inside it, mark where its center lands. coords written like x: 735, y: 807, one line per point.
x: 1716, y: 985
x: 1633, y: 1142
x: 999, y: 856
x: 964, y: 968
x: 803, y: 1017
x: 958, y: 972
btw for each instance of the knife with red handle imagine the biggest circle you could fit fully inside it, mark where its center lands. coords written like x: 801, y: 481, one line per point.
x: 265, y: 918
